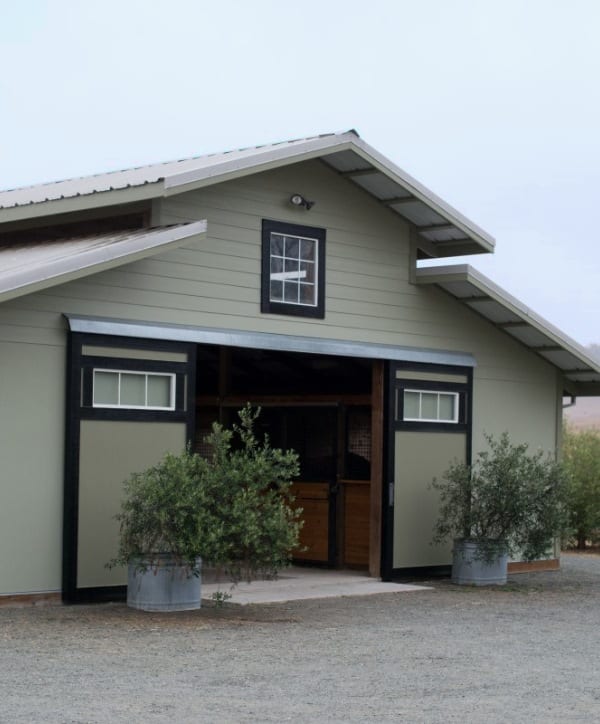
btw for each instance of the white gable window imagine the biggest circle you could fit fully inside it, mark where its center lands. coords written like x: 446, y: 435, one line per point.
x: 294, y: 265
x: 293, y: 275
x: 132, y: 390
x: 430, y: 406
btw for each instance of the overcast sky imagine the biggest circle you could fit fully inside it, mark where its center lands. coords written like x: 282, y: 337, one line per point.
x: 493, y: 105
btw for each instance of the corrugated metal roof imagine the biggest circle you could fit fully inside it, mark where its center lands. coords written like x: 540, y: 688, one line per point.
x: 126, y: 178
x: 581, y: 371
x: 29, y: 267
x: 441, y: 229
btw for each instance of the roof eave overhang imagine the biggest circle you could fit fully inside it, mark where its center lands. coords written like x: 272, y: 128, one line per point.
x: 86, y: 263
x: 581, y: 376
x: 482, y: 240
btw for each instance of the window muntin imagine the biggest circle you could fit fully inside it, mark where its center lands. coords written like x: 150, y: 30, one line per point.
x: 430, y: 406
x: 133, y: 390
x: 294, y: 269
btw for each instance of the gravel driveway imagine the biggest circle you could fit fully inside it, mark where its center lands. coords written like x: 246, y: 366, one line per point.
x: 529, y: 651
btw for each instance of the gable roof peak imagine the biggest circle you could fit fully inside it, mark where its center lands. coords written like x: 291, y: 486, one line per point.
x: 441, y: 230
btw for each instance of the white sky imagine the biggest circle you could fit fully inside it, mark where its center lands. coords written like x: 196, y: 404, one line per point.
x: 492, y: 104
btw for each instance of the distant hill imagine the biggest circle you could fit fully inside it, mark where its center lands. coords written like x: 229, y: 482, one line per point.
x: 586, y: 413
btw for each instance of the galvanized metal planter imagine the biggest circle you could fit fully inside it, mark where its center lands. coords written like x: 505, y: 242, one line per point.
x: 165, y: 585
x: 470, y: 566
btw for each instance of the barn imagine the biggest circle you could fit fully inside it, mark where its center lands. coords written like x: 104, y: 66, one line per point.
x: 138, y: 306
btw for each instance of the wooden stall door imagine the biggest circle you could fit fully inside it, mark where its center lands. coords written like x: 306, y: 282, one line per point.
x: 314, y: 499
x: 356, y: 501
x: 312, y: 432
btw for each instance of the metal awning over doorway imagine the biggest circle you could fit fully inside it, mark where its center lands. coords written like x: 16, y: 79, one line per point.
x: 266, y: 341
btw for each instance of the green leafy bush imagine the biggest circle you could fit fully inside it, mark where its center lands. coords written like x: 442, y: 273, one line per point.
x: 508, y: 500
x: 581, y: 456
x: 250, y: 501
x: 164, y: 511
x: 233, y: 510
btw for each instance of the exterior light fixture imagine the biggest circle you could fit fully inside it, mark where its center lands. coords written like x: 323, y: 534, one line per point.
x: 299, y: 200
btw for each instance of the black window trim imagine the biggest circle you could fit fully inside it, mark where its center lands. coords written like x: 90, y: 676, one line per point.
x: 296, y: 310
x: 89, y: 411
x: 462, y: 389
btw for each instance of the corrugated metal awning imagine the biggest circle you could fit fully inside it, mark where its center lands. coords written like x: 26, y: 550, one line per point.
x: 265, y: 340
x: 30, y: 267
x: 581, y: 372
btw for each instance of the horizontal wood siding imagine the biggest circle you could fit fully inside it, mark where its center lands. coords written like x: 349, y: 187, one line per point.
x: 31, y: 477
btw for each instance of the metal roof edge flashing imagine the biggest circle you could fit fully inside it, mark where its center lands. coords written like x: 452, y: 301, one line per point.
x: 265, y: 340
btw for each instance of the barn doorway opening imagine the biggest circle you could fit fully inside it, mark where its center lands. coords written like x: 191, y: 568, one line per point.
x: 327, y: 409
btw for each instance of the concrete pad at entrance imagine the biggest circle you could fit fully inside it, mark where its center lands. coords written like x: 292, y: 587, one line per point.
x: 304, y: 583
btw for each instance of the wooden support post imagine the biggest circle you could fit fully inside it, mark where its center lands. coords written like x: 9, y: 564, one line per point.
x: 224, y: 382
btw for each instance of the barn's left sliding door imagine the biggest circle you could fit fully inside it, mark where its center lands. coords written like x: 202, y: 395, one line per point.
x: 129, y: 402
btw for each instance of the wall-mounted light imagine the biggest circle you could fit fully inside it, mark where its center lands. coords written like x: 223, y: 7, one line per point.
x: 299, y: 200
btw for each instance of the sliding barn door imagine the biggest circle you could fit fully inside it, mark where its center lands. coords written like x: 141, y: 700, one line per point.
x: 131, y: 401
x: 429, y: 429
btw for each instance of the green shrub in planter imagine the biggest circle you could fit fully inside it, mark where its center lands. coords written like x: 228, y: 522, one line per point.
x: 164, y: 510
x: 508, y: 501
x: 163, y: 522
x: 248, y: 486
x: 233, y: 510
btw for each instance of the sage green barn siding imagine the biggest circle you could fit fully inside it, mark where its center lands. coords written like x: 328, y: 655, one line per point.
x: 110, y: 452
x: 31, y: 466
x: 216, y: 283
x: 419, y: 457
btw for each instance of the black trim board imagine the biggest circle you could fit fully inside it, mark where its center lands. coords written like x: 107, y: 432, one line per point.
x: 71, y: 484
x: 387, y: 510
x: 99, y: 594
x: 421, y: 572
x: 76, y: 362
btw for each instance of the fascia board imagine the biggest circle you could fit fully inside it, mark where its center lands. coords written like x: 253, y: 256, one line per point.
x: 256, y: 163
x: 466, y: 273
x: 92, y: 200
x: 86, y: 263
x: 422, y: 193
x: 582, y: 389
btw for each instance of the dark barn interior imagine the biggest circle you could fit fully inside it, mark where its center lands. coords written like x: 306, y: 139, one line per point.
x: 321, y: 407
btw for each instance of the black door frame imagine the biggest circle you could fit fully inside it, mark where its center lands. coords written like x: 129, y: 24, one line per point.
x: 78, y: 409
x: 393, y: 425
